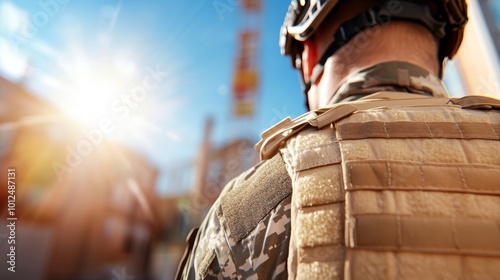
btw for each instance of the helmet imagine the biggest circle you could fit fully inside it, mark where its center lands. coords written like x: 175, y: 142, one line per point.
x: 446, y: 19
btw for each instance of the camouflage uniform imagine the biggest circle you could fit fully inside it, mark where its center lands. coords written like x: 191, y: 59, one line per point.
x: 246, y: 235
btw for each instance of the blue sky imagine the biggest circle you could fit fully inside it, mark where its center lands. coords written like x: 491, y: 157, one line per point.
x: 84, y: 55
x: 87, y: 56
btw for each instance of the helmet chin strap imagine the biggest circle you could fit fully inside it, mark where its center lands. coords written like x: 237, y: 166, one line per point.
x: 408, y: 11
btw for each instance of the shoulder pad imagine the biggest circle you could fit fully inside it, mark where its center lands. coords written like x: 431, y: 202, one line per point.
x: 273, y: 138
x: 253, y: 197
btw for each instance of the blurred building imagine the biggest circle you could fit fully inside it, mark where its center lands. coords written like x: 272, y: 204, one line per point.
x: 174, y: 215
x: 213, y: 168
x: 86, y: 208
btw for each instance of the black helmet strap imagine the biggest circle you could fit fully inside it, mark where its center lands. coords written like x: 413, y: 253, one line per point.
x: 407, y: 11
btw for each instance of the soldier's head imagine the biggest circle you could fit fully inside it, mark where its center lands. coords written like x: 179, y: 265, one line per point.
x: 332, y: 38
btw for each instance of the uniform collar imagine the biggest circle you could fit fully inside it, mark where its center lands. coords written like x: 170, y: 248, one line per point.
x: 389, y: 76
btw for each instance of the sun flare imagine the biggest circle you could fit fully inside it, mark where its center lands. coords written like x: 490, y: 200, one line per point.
x: 91, y: 88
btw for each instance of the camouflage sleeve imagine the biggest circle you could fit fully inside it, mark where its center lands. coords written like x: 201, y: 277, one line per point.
x: 246, y: 233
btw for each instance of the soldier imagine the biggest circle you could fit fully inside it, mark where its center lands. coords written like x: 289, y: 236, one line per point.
x: 385, y: 178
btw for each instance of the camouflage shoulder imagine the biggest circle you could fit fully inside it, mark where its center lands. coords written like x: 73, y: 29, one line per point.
x: 244, y: 202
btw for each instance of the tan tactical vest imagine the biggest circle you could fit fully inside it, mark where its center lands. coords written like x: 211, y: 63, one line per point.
x: 394, y: 186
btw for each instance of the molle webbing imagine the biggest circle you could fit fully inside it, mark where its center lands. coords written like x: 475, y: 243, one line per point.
x: 408, y: 129
x: 274, y: 138
x: 396, y: 192
x: 317, y: 239
x: 426, y: 235
x: 414, y: 176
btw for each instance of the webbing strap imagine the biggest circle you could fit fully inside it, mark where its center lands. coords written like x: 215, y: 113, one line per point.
x: 408, y: 129
x: 344, y: 110
x: 377, y: 175
x: 426, y: 234
x: 273, y: 138
x: 477, y: 102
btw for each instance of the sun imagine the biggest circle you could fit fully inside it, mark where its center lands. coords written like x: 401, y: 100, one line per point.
x: 91, y: 89
x: 91, y: 99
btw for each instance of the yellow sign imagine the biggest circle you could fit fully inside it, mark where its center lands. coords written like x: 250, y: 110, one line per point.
x: 244, y: 81
x: 244, y: 109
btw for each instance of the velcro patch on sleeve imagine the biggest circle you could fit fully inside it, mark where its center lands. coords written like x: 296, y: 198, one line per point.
x: 250, y: 201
